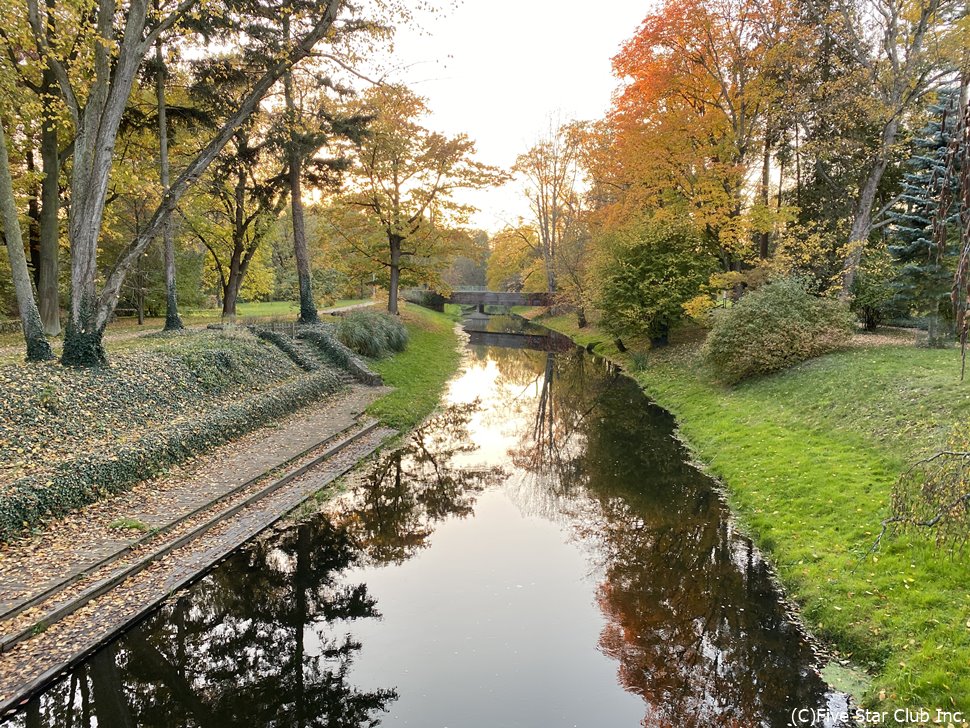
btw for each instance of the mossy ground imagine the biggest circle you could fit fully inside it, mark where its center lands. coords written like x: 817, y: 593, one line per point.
x: 50, y: 412
x: 809, y: 458
x: 418, y: 374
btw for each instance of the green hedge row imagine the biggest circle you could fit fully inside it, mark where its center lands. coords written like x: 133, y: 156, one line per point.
x: 31, y: 499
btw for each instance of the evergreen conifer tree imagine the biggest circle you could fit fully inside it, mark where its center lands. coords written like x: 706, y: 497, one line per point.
x: 926, y: 277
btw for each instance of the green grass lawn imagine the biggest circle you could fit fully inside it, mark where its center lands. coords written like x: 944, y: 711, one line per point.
x: 809, y: 458
x: 419, y: 373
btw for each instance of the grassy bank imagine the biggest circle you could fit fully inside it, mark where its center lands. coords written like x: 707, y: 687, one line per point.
x: 809, y: 458
x: 418, y: 374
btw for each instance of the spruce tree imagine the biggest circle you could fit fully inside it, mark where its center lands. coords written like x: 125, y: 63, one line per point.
x: 925, y: 279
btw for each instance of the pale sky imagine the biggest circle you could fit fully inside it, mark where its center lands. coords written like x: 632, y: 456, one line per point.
x: 499, y: 70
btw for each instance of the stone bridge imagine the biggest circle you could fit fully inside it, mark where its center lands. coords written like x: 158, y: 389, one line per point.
x: 476, y: 297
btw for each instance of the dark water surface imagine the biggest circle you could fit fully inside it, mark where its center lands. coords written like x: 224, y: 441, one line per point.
x: 540, y: 554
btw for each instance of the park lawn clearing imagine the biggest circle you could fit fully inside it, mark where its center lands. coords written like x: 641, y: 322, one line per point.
x: 419, y: 373
x: 809, y: 457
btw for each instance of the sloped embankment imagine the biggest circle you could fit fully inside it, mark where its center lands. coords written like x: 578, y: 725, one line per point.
x: 69, y: 437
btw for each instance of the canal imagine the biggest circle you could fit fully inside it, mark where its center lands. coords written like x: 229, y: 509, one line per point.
x: 541, y: 553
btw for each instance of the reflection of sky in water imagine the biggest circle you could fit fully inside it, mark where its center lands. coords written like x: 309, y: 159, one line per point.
x: 492, y: 434
x: 496, y: 624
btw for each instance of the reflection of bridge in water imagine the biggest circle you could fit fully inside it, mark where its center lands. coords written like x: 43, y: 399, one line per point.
x: 511, y: 340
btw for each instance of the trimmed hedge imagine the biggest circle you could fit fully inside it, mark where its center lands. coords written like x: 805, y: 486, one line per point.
x: 33, y: 498
x: 773, y: 328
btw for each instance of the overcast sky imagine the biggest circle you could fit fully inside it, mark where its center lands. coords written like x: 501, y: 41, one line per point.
x: 499, y: 70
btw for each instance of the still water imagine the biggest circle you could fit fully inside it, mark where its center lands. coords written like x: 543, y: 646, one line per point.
x: 540, y: 554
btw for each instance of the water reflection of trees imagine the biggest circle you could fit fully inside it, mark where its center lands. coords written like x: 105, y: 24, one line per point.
x: 260, y: 640
x: 393, y: 510
x: 255, y: 643
x: 551, y: 446
x: 692, y: 615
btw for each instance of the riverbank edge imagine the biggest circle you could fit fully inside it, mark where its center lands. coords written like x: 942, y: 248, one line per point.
x: 421, y: 372
x: 878, y: 687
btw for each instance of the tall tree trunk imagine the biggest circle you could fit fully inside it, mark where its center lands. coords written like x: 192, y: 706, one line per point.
x: 33, y: 217
x: 862, y: 220
x: 94, y: 144
x: 550, y: 276
x: 395, y: 242
x: 230, y: 294
x: 764, y: 237
x: 48, y: 288
x: 173, y: 322
x: 38, y: 349
x: 140, y: 298
x: 308, y: 309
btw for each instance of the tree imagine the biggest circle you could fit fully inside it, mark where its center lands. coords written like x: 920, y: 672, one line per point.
x: 41, y: 116
x: 116, y: 45
x: 249, y: 195
x: 551, y: 172
x: 903, y: 49
x: 698, y: 82
x: 471, y: 267
x: 308, y: 309
x: 925, y: 280
x: 644, y: 272
x: 173, y: 322
x: 404, y: 177
x: 958, y: 198
x: 313, y: 121
x: 515, y: 262
x: 37, y: 347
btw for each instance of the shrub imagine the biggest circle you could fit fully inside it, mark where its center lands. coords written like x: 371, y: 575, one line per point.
x: 644, y: 273
x: 773, y: 328
x: 874, y: 298
x: 372, y: 333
